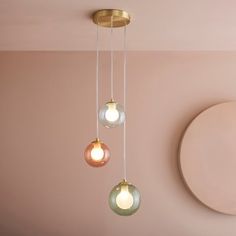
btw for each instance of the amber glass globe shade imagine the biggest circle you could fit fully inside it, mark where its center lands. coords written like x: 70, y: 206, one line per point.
x: 124, y: 199
x: 111, y: 114
x: 97, y: 154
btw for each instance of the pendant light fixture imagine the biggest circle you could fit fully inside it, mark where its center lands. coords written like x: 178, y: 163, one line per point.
x: 112, y: 113
x: 97, y: 153
x: 124, y: 198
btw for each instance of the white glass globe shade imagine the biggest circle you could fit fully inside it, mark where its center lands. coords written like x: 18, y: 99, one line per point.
x: 111, y: 114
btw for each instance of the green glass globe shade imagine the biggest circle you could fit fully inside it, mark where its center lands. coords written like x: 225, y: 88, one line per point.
x: 124, y: 199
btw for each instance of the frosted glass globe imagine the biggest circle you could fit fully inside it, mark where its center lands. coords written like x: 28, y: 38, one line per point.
x: 124, y: 199
x: 97, y: 154
x: 111, y: 114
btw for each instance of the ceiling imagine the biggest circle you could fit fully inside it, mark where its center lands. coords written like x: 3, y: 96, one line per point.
x: 156, y: 24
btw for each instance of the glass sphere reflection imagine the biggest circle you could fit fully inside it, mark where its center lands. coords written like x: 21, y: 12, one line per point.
x: 111, y: 114
x: 97, y: 154
x: 124, y: 199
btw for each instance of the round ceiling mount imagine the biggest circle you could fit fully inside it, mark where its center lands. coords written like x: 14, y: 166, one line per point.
x: 111, y: 18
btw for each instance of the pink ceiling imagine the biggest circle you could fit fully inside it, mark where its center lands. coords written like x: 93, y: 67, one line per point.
x: 156, y: 24
x: 47, y: 118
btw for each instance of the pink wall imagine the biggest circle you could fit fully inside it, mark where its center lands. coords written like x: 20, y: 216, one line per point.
x: 47, y: 117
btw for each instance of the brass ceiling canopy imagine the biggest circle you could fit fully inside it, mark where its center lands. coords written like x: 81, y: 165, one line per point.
x: 111, y: 18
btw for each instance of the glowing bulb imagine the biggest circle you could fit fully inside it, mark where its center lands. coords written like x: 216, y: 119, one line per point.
x: 124, y: 199
x: 112, y: 114
x: 97, y: 153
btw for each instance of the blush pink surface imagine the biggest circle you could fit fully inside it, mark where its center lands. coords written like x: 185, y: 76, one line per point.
x: 47, y: 107
x: 208, y: 157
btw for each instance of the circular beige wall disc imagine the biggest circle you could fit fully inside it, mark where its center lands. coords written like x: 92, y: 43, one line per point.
x: 208, y: 157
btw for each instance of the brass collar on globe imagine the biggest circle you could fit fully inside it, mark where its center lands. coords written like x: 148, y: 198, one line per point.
x: 97, y: 140
x: 111, y: 18
x: 124, y: 182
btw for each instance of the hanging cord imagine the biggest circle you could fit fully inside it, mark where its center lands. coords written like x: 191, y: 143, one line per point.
x: 124, y: 133
x: 112, y: 58
x: 97, y: 78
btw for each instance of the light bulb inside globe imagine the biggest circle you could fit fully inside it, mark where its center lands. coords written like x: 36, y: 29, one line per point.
x: 97, y: 153
x: 124, y: 199
x: 112, y: 114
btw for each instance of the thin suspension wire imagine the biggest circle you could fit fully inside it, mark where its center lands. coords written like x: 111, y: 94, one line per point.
x: 97, y: 80
x: 112, y: 59
x: 124, y: 133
